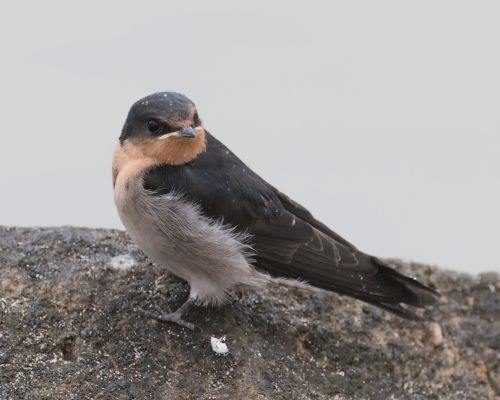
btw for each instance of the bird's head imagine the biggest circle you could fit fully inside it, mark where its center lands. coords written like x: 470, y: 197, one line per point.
x: 164, y: 127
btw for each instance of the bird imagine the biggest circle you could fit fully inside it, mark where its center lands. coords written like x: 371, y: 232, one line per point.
x: 196, y: 209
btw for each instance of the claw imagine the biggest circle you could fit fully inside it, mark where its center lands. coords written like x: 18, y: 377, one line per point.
x: 175, y: 317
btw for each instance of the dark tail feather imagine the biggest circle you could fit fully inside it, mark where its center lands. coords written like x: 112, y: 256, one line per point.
x: 411, y: 292
x: 397, y: 309
x: 374, y: 282
x: 394, y: 292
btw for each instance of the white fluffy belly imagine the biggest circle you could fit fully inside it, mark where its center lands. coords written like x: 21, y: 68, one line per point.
x: 175, y: 234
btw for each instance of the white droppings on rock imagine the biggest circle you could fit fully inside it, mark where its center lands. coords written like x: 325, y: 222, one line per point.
x: 434, y: 334
x: 123, y: 262
x: 218, y: 345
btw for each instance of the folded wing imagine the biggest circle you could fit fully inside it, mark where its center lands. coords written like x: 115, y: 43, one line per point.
x: 288, y: 241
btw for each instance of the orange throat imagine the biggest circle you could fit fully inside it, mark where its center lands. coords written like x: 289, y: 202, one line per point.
x: 148, y: 152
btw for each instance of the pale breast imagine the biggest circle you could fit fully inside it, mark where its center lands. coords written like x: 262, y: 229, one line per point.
x: 174, y: 232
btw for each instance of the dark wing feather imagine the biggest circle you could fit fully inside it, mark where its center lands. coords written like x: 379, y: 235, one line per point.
x: 288, y: 241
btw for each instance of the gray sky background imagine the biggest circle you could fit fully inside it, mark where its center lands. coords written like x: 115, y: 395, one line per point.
x: 381, y: 117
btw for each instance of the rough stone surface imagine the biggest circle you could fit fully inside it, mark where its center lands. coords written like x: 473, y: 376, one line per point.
x: 71, y: 327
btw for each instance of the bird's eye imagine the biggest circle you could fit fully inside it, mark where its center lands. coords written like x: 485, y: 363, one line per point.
x: 153, y: 125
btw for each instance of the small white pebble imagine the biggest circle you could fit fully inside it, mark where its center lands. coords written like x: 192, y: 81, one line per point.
x: 435, y: 335
x: 123, y: 262
x: 218, y: 345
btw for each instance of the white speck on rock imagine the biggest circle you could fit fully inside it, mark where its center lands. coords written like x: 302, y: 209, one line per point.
x: 218, y: 345
x: 434, y: 334
x: 123, y: 262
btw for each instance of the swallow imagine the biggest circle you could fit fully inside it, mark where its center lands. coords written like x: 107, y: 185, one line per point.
x: 195, y: 208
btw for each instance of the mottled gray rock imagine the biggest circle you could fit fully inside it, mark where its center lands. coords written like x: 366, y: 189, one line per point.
x: 71, y: 328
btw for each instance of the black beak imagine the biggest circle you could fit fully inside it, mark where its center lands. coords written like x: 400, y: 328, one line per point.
x: 188, y: 132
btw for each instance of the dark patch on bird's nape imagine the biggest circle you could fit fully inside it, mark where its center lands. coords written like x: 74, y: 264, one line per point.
x: 170, y: 108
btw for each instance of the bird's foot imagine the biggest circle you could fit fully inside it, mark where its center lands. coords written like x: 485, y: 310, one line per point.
x: 175, y: 317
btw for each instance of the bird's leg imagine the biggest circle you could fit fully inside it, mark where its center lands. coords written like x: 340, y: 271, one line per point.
x: 175, y: 317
